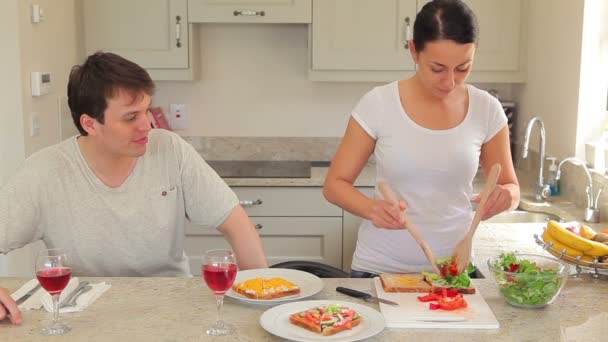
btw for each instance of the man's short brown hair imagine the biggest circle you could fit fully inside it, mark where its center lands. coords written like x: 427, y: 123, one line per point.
x: 98, y: 79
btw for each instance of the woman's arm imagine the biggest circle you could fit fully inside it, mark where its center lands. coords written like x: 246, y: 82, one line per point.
x: 352, y: 155
x: 506, y: 194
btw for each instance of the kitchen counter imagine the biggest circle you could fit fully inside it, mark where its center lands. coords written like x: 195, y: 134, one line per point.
x: 178, y: 309
x: 317, y: 177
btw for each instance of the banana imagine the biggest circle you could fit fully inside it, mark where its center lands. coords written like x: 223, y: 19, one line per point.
x: 558, y: 246
x: 576, y: 242
x: 587, y: 232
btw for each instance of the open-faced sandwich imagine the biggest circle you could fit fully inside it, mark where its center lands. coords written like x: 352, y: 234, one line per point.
x: 266, y: 288
x: 327, y: 319
x: 449, y: 277
x: 430, y: 282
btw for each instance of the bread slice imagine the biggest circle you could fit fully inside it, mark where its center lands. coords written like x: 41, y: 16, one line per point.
x: 265, y: 289
x: 333, y: 322
x: 400, y: 282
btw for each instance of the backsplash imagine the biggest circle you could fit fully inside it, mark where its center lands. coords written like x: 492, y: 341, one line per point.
x: 265, y: 148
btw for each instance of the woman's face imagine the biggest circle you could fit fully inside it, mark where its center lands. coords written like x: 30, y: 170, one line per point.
x: 443, y: 65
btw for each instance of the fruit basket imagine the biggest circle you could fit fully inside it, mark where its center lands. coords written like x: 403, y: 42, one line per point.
x: 597, y: 266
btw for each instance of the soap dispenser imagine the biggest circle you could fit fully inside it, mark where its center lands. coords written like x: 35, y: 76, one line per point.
x: 552, y: 179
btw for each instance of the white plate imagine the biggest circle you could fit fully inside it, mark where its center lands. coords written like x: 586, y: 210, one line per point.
x: 309, y: 284
x: 276, y: 321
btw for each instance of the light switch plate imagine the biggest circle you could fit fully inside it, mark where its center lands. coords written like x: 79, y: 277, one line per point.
x: 178, y: 116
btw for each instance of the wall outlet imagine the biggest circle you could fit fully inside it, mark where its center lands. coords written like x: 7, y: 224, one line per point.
x: 34, y: 124
x: 178, y: 116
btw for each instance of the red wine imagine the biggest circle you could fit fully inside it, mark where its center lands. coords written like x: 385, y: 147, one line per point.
x: 55, y: 279
x: 219, y: 277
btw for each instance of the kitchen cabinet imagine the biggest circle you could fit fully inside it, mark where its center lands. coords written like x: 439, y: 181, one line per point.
x: 350, y: 231
x: 295, y: 223
x: 152, y: 33
x: 364, y: 40
x: 250, y: 11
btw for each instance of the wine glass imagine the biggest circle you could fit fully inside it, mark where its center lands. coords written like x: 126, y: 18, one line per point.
x: 219, y: 271
x: 53, y: 273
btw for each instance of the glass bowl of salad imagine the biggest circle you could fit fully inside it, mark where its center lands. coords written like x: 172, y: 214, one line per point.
x: 528, y: 280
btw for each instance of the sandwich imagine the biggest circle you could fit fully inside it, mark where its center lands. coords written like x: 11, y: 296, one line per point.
x: 264, y: 289
x: 327, y: 319
x: 397, y: 282
x: 449, y: 277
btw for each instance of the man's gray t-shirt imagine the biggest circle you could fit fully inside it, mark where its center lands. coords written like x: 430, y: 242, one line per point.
x: 136, y: 229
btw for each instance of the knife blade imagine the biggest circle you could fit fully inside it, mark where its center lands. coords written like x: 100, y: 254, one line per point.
x: 27, y: 295
x: 362, y: 295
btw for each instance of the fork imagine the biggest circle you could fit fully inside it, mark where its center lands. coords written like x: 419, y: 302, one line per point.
x: 71, y: 300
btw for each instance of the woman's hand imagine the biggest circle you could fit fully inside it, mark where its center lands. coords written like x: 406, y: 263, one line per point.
x: 8, y: 308
x: 386, y: 215
x: 499, y: 200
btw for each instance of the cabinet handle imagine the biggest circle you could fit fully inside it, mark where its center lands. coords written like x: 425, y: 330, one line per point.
x: 249, y: 203
x: 259, y: 226
x: 249, y: 13
x: 407, y: 32
x: 178, y: 31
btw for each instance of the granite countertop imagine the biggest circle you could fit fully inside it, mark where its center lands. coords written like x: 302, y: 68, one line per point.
x: 367, y: 178
x: 180, y: 309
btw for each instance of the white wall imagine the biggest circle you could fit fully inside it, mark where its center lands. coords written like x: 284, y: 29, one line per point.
x: 12, y: 145
x: 254, y: 83
x: 554, y: 66
x: 48, y: 46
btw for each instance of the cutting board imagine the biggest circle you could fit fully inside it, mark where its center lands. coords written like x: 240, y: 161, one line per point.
x: 476, y: 316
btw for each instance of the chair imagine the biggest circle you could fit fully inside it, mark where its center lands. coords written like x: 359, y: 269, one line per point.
x: 316, y: 268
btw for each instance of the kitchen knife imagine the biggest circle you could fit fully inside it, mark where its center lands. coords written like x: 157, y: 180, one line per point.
x: 365, y: 296
x: 28, y: 294
x: 439, y: 319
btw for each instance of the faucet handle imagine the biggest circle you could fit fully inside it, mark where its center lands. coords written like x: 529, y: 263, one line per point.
x: 546, y: 191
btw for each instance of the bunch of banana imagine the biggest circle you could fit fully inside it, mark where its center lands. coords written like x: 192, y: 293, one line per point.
x: 574, y: 244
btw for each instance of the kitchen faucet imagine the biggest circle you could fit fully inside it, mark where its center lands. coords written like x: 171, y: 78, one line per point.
x: 592, y: 212
x: 541, y: 190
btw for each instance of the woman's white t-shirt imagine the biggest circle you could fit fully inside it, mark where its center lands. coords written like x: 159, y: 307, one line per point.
x: 432, y: 170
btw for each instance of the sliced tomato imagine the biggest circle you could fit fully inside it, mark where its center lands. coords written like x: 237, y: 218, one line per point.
x: 311, y: 318
x: 513, y: 267
x: 434, y: 306
x: 429, y: 297
x: 453, y: 267
x: 451, y: 292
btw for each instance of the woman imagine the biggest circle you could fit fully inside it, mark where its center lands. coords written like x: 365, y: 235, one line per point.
x: 428, y: 134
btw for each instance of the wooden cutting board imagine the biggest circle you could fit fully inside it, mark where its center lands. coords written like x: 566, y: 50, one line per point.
x: 410, y: 312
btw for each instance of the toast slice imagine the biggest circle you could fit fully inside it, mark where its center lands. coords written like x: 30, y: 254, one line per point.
x: 327, y: 320
x: 408, y: 282
x: 265, y: 289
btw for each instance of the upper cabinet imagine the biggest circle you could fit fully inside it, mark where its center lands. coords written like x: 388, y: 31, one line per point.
x: 364, y: 40
x: 250, y: 11
x: 362, y: 34
x: 152, y: 33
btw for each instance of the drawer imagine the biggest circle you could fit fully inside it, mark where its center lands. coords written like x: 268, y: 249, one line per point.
x: 285, y: 239
x: 285, y: 201
x: 250, y: 11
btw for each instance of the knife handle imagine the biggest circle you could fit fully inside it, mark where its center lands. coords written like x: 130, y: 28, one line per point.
x: 353, y: 293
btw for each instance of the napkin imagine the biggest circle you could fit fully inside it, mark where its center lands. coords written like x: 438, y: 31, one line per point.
x: 43, y: 299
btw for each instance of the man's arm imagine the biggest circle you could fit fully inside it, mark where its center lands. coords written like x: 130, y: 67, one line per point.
x: 244, y: 239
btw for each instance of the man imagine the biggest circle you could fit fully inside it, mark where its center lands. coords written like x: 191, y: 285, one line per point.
x: 117, y: 196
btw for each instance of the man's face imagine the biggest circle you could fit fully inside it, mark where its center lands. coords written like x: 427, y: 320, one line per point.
x: 444, y: 65
x: 124, y: 132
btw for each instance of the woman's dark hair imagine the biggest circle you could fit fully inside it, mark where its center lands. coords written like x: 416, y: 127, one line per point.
x: 445, y: 19
x: 98, y: 79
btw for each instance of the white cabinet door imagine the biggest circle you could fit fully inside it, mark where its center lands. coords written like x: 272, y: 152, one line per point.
x: 362, y: 34
x: 286, y: 201
x: 250, y: 11
x: 151, y: 33
x: 285, y: 239
x: 499, y: 34
x: 350, y: 231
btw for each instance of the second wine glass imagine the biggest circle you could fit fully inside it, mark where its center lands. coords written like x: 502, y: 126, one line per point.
x: 219, y: 272
x: 53, y: 272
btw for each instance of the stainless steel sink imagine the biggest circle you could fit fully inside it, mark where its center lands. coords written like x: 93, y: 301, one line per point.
x: 521, y: 216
